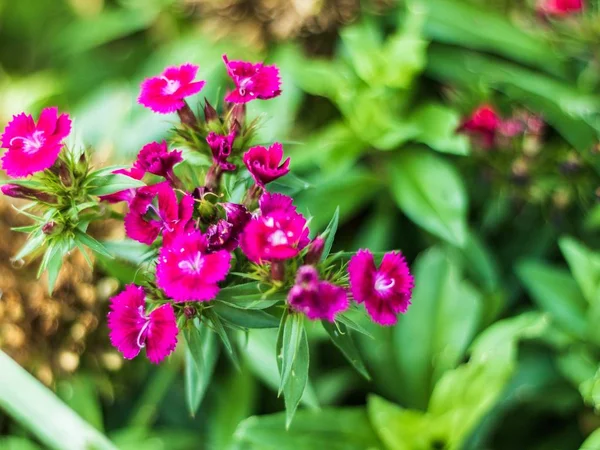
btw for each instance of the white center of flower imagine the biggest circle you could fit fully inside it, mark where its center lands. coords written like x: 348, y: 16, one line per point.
x: 31, y: 144
x: 171, y: 86
x: 278, y: 238
x: 244, y: 82
x: 141, y: 339
x: 193, y: 265
x: 382, y: 283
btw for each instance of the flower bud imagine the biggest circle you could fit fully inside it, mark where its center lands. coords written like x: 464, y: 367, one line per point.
x: 186, y: 116
x: 207, y: 211
x: 315, y: 250
x: 307, y: 276
x: 210, y: 113
x: 219, y: 236
x: 17, y: 191
x: 237, y: 215
x: 237, y: 117
x: 189, y: 312
x: 51, y: 228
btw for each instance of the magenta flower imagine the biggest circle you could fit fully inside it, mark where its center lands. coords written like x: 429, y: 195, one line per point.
x: 252, y: 81
x: 165, y: 93
x: 186, y: 271
x: 265, y: 164
x: 270, y: 202
x: 145, y: 221
x: 33, y: 147
x: 221, y: 147
x: 156, y: 159
x: 559, y: 8
x: 131, y: 329
x: 128, y: 194
x: 386, y: 291
x: 278, y: 235
x: 237, y: 215
x: 483, y: 123
x: 319, y: 300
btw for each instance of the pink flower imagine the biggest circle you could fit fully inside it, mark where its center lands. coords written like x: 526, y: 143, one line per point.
x: 511, y: 128
x: 265, y: 164
x: 237, y: 215
x: 128, y: 194
x: 145, y: 221
x: 319, y: 300
x: 131, y: 329
x: 33, y: 147
x: 270, y: 202
x: 559, y: 8
x: 483, y: 123
x: 277, y: 234
x: 252, y: 81
x: 221, y: 147
x: 386, y: 291
x: 186, y: 271
x: 165, y: 94
x: 156, y: 159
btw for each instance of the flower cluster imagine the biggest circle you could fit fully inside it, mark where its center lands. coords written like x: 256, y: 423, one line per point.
x: 220, y: 228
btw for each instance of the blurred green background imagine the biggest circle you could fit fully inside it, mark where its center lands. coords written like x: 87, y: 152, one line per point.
x: 500, y: 349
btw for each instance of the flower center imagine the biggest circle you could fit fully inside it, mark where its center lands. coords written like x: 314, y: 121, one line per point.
x: 193, y: 265
x: 31, y: 144
x: 382, y: 283
x: 278, y: 237
x: 171, y: 86
x: 141, y: 339
x: 244, y: 86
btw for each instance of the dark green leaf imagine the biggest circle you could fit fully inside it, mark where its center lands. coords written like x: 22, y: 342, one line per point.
x: 296, y: 383
x: 92, y: 243
x: 340, y: 336
x: 245, y: 318
x: 293, y: 330
x: 201, y: 356
x: 329, y: 234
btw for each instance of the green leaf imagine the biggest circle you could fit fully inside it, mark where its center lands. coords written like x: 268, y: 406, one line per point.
x: 592, y: 442
x: 34, y: 242
x: 437, y: 125
x: 39, y: 411
x: 245, y: 318
x: 585, y: 267
x: 92, y: 243
x: 116, y: 182
x: 81, y: 394
x: 329, y: 233
x: 289, y: 185
x: 291, y: 336
x: 331, y: 429
x: 235, y: 402
x: 17, y: 443
x: 55, y: 261
x: 348, y: 191
x: 362, y: 41
x: 398, y: 428
x: 201, y: 356
x: 555, y: 292
x: 468, y: 25
x: 431, y: 193
x: 218, y: 327
x: 260, y: 355
x: 296, y: 383
x: 341, y: 337
x: 443, y: 319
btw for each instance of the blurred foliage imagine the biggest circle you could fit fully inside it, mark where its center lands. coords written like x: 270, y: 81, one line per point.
x: 500, y: 348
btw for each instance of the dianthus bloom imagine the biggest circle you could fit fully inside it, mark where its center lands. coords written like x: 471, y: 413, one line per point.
x: 166, y: 93
x: 483, y: 123
x: 559, y: 8
x: 265, y: 165
x: 33, y: 147
x: 155, y: 158
x: 225, y: 234
x: 145, y: 221
x: 319, y: 300
x: 221, y: 147
x: 385, y: 291
x: 127, y: 194
x: 275, y: 235
x: 186, y: 271
x: 252, y: 81
x: 132, y: 329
